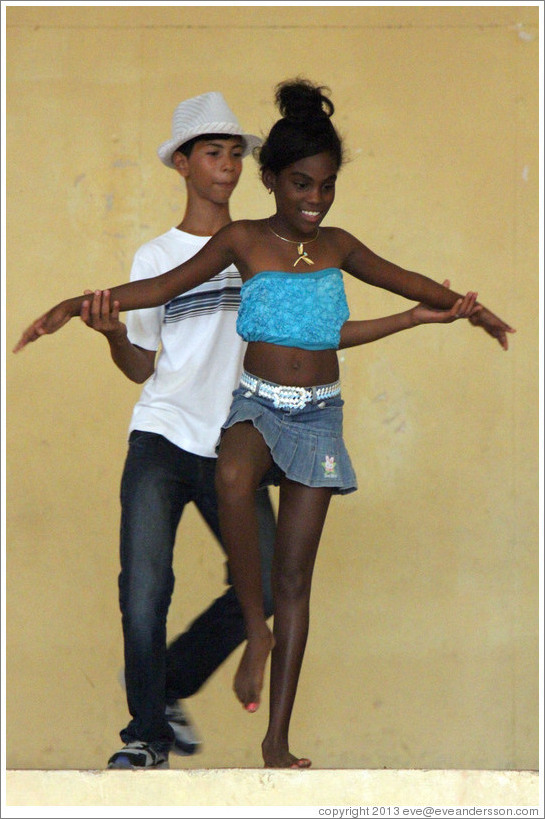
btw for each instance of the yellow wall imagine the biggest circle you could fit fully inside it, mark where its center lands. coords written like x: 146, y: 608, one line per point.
x: 423, y: 643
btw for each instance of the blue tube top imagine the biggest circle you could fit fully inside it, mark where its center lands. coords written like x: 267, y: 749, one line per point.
x: 305, y: 310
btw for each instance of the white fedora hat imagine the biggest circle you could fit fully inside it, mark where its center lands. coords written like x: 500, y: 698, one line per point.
x: 205, y: 114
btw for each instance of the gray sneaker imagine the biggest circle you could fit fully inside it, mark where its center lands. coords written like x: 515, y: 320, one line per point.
x: 186, y: 741
x: 138, y: 755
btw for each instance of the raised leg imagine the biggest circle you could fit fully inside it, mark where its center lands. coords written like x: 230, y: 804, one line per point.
x: 243, y: 460
x: 193, y: 656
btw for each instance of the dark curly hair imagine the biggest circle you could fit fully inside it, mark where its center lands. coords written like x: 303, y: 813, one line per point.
x: 305, y: 128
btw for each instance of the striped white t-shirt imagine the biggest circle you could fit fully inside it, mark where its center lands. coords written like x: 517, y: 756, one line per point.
x: 200, y: 354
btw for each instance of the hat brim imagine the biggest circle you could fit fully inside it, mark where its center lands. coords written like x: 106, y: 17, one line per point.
x: 168, y: 148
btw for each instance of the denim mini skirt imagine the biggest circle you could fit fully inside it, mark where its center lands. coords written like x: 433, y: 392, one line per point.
x: 306, y: 442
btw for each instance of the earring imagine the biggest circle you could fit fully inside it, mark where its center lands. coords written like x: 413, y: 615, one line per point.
x: 269, y: 190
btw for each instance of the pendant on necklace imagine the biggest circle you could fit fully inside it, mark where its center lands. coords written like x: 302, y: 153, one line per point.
x: 303, y: 256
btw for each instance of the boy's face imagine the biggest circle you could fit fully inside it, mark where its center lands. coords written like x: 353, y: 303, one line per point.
x: 213, y: 168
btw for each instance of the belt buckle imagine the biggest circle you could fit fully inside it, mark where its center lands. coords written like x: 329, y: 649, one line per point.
x: 280, y: 398
x: 304, y: 398
x: 290, y: 398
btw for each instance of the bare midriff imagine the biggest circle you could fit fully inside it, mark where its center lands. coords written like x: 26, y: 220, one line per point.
x: 291, y: 366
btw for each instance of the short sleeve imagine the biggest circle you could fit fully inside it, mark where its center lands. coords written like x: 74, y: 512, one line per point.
x: 144, y: 326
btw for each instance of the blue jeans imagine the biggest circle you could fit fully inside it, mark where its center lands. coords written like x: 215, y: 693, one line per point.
x: 158, y: 480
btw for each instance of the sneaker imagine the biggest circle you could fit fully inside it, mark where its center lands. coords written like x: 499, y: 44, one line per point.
x: 186, y: 741
x: 137, y: 755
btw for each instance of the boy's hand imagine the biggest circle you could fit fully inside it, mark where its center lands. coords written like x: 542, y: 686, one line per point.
x: 102, y: 316
x: 49, y: 323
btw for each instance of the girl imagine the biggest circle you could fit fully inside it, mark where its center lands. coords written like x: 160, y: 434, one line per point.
x: 285, y: 420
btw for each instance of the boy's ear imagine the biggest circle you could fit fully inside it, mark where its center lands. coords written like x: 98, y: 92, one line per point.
x: 179, y: 160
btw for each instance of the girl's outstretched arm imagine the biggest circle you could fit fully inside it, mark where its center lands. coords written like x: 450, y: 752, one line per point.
x: 354, y: 333
x: 214, y: 257
x: 366, y: 266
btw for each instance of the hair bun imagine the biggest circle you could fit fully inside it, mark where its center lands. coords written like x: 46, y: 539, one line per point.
x: 301, y: 101
x: 304, y: 129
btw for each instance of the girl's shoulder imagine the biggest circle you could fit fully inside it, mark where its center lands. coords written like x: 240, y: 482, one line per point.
x: 234, y: 232
x: 243, y: 232
x: 247, y: 227
x: 340, y: 238
x: 340, y: 234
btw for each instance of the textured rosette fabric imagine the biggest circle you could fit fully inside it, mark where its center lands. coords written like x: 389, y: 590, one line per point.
x: 305, y: 310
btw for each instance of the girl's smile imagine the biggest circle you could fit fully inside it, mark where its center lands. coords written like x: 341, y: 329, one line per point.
x: 304, y: 193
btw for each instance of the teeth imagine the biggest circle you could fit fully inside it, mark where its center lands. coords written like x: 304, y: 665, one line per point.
x: 311, y: 212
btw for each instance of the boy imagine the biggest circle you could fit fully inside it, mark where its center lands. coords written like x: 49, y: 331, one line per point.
x: 172, y: 437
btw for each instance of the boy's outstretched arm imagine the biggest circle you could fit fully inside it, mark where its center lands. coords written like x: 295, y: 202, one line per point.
x: 354, y: 333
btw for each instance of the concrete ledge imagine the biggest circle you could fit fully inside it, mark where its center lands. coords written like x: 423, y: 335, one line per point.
x: 258, y: 787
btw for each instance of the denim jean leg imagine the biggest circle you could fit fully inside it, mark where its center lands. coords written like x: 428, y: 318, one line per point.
x: 152, y: 503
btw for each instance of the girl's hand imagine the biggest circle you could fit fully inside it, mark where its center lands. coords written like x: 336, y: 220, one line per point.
x: 102, y: 316
x: 465, y: 307
x: 50, y: 322
x: 493, y: 325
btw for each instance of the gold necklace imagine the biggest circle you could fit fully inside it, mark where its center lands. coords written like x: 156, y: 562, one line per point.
x: 303, y: 255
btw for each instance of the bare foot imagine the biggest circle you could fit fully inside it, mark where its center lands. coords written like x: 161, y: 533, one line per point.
x: 251, y: 670
x: 276, y: 758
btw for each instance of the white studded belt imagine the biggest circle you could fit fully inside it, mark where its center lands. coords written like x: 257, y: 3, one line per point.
x: 288, y: 397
